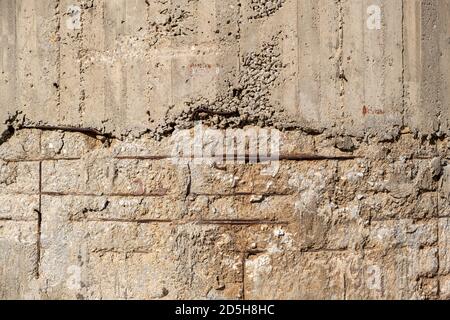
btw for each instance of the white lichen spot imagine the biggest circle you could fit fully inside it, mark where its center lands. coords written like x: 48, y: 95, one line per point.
x: 258, y: 267
x: 383, y: 233
x: 269, y: 185
x: 354, y: 176
x: 373, y: 22
x: 278, y: 232
x: 74, y: 277
x: 73, y: 22
x: 273, y: 249
x: 231, y: 211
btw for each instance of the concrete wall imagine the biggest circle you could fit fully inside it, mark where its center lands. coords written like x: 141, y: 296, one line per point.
x: 93, y: 94
x: 126, y: 66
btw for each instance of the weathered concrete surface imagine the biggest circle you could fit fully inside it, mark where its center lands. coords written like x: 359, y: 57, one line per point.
x: 93, y: 206
x: 128, y: 67
x: 82, y: 218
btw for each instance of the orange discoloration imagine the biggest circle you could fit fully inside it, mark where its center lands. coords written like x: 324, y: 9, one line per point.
x: 366, y: 110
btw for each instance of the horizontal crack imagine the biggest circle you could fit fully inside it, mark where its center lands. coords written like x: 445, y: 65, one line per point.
x: 88, y: 131
x: 153, y: 194
x: 241, y: 194
x: 241, y: 222
x: 287, y: 157
x: 18, y: 219
x: 202, y: 222
x: 39, y: 159
x: 124, y: 220
x: 247, y: 157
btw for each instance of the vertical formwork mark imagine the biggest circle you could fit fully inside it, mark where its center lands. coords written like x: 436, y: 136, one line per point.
x: 439, y: 186
x: 189, y: 182
x: 403, y: 65
x: 239, y: 16
x: 171, y: 102
x: 122, y: 108
x: 341, y: 72
x: 297, y: 85
x: 345, y: 286
x: 39, y: 222
x: 103, y: 68
x: 39, y: 214
x: 438, y: 245
x: 58, y: 63
x: 80, y: 53
x: 244, y: 254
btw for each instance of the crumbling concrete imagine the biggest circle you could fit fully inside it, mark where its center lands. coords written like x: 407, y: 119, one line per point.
x: 93, y: 205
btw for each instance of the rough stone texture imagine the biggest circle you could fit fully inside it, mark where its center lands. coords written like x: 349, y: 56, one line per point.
x: 92, y: 205
x: 82, y: 218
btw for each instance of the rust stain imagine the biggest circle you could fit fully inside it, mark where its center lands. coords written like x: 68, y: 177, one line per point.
x: 366, y: 110
x: 141, y: 187
x: 198, y: 67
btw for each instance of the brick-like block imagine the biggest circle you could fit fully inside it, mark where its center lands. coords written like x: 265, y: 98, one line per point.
x: 118, y: 208
x: 63, y: 250
x: 444, y: 287
x: 396, y: 274
x: 271, y: 250
x: 133, y: 275
x: 391, y: 234
x: 325, y: 227
x: 158, y: 177
x: 444, y: 246
x: 406, y: 147
x: 19, y: 207
x: 18, y: 258
x: 19, y: 177
x: 444, y: 193
x: 316, y: 275
x: 351, y: 179
x: 373, y: 274
x: 125, y: 236
x: 108, y: 176
x: 282, y: 177
x: 398, y: 177
x: 143, y: 147
x: 248, y: 207
x: 92, y: 175
x: 209, y: 258
x: 429, y: 288
x: 60, y: 144
x: 385, y: 206
x: 393, y: 190
x: 23, y: 144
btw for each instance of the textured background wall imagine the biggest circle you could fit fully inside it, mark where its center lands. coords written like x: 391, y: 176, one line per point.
x: 92, y: 204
